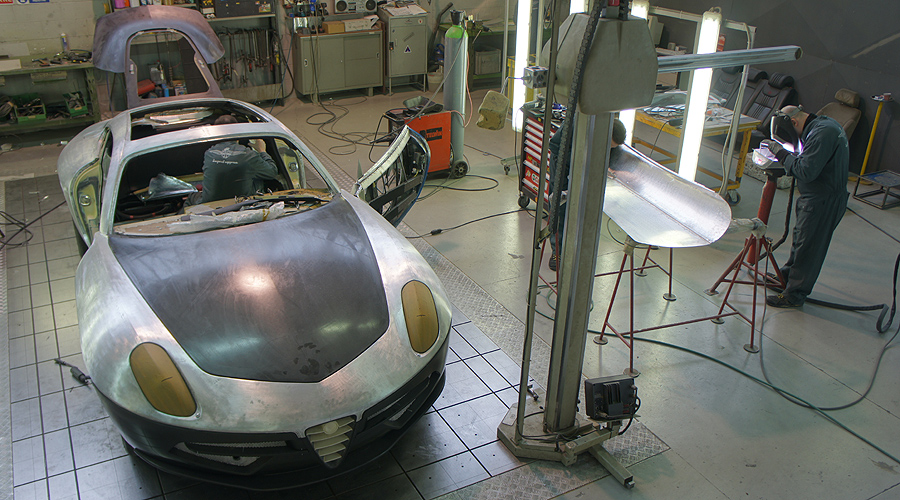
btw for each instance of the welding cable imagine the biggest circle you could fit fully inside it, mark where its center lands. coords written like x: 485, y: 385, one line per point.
x: 485, y: 153
x: 880, y: 325
x: 563, y: 159
x: 442, y: 185
x: 765, y: 383
x: 787, y: 223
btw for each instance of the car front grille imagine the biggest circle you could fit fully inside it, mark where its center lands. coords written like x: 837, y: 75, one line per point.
x: 235, y: 454
x: 331, y: 439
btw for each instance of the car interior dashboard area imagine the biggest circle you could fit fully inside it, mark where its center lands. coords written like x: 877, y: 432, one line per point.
x: 156, y: 185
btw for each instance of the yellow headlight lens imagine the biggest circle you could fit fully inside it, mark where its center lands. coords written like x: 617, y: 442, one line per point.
x: 421, y: 315
x: 160, y: 381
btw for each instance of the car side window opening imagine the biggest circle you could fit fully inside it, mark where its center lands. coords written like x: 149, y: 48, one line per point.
x: 88, y: 187
x: 301, y: 171
x: 165, y: 62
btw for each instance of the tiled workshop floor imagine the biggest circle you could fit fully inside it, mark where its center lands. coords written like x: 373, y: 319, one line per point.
x: 64, y: 446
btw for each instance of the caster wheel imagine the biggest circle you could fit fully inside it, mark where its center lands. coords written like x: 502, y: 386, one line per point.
x: 732, y: 197
x: 459, y: 169
x: 505, y: 169
x: 523, y: 201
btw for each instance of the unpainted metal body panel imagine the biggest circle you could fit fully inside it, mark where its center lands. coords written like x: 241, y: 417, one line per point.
x: 113, y: 33
x: 302, y: 300
x: 117, y: 312
x: 655, y: 206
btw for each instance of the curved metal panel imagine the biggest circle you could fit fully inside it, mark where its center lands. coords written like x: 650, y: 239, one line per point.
x: 290, y: 300
x: 113, y: 31
x: 655, y: 206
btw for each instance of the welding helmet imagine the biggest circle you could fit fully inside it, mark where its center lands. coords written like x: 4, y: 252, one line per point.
x: 783, y: 132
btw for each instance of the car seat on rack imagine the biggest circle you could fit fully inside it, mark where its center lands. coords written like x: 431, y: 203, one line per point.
x: 754, y: 78
x: 770, y: 96
x: 725, y: 84
x: 845, y: 110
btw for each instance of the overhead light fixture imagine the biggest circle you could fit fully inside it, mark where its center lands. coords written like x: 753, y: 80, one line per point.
x: 639, y: 9
x: 699, y: 96
x: 576, y: 6
x: 523, y: 29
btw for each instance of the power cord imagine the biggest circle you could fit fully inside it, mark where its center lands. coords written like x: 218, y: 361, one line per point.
x: 76, y: 372
x: 442, y: 185
x: 435, y: 232
x: 5, y: 241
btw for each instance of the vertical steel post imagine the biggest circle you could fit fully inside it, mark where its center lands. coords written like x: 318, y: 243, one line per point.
x: 579, y: 259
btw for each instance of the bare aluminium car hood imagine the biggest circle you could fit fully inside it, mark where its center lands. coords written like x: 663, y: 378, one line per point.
x: 289, y: 300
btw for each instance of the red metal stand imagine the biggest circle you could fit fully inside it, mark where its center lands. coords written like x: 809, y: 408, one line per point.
x: 747, y: 258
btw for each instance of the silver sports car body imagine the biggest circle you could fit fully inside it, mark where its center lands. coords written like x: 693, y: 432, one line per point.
x: 264, y: 341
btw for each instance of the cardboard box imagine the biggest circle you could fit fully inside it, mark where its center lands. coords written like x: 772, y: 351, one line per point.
x: 363, y: 24
x: 333, y: 26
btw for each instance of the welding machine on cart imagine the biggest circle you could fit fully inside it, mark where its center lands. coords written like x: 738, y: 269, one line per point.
x: 428, y: 119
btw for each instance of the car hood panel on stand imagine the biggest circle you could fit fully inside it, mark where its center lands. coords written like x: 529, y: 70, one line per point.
x: 289, y: 300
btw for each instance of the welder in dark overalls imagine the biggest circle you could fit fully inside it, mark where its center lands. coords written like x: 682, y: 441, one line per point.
x: 820, y: 165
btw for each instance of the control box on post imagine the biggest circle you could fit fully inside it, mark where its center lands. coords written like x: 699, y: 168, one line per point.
x: 406, y: 42
x: 610, y: 398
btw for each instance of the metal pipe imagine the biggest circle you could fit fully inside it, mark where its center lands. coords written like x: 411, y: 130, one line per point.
x: 538, y: 220
x: 736, y: 117
x: 688, y: 62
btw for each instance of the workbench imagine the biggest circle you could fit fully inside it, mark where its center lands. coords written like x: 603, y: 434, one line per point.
x: 712, y: 127
x: 50, y: 82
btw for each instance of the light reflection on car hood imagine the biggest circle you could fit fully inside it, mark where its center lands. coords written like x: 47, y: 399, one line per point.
x: 288, y: 300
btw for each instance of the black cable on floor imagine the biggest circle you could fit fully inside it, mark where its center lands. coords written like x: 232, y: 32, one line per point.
x: 442, y: 185
x: 483, y: 152
x: 5, y: 241
x: 435, y: 232
x: 787, y: 395
x: 854, y: 212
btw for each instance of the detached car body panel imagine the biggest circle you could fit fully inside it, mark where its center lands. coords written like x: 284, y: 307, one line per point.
x: 280, y: 340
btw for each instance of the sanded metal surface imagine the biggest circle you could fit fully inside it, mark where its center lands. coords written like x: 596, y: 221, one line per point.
x: 480, y: 470
x: 655, y: 206
x: 114, y: 31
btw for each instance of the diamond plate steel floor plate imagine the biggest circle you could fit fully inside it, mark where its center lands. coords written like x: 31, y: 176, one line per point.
x: 6, y: 481
x: 537, y: 480
x: 540, y: 480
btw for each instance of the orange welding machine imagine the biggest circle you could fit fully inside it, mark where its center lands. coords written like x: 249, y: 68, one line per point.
x: 434, y: 127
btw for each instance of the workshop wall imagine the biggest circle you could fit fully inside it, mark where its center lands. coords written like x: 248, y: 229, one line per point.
x: 33, y: 29
x: 845, y: 45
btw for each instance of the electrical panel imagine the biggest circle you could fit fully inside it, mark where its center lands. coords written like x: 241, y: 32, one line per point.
x: 610, y: 398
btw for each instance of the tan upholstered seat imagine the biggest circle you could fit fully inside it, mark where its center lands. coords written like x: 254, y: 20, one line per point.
x: 846, y: 110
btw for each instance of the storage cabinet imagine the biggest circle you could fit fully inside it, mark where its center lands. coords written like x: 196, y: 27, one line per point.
x: 340, y: 61
x: 530, y: 154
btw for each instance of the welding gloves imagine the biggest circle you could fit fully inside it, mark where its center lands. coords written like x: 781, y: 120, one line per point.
x: 773, y: 146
